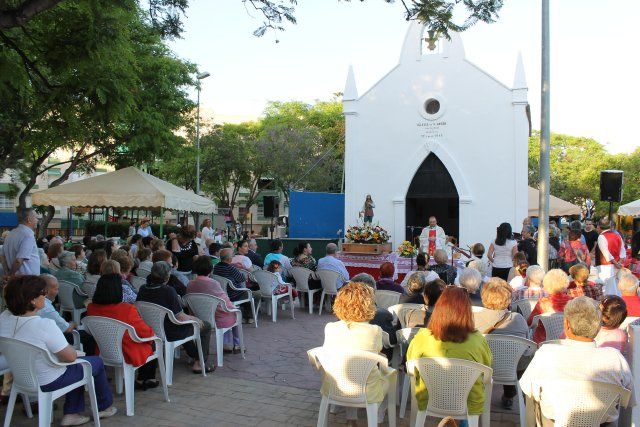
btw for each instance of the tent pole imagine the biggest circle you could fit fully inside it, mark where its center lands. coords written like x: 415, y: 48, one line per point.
x: 161, y: 222
x: 106, y: 220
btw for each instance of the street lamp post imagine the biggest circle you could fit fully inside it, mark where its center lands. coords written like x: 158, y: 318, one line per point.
x: 545, y: 143
x: 200, y: 76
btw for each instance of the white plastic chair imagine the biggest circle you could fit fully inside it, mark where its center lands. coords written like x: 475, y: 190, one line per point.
x: 142, y: 272
x: 4, y: 369
x: 301, y: 276
x: 449, y: 382
x: 347, y: 371
x: 507, y: 351
x: 588, y: 405
x: 21, y: 357
x: 524, y: 306
x: 553, y: 324
x: 386, y: 299
x: 154, y: 315
x: 226, y: 284
x: 404, y: 337
x: 329, y: 280
x: 267, y: 282
x: 108, y: 334
x: 137, y: 282
x: 627, y: 322
x: 204, y: 307
x: 65, y: 296
x: 397, y: 311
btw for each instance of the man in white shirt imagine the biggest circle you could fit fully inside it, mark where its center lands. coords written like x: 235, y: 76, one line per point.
x: 330, y: 262
x: 432, y: 237
x: 576, y: 358
x: 20, y: 249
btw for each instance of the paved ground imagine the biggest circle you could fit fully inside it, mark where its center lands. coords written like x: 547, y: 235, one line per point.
x: 273, y: 386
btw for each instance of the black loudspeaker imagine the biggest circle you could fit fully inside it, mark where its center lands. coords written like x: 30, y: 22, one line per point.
x: 611, y: 186
x: 269, y: 206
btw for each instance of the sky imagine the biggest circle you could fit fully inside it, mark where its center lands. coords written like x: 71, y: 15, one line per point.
x: 595, y: 67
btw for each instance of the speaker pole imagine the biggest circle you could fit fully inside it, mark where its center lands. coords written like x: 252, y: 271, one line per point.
x: 610, y: 210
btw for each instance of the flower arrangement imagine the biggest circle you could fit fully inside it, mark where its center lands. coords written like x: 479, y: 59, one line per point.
x: 407, y: 250
x: 367, y: 233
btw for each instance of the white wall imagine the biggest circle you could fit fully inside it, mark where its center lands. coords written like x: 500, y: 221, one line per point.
x: 480, y: 134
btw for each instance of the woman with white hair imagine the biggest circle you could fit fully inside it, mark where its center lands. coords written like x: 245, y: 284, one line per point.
x: 471, y: 279
x: 445, y: 271
x: 67, y: 272
x: 415, y: 286
x: 532, y: 284
x: 555, y: 283
x: 496, y: 318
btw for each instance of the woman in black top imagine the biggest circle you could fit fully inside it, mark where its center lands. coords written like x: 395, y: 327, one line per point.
x: 185, y: 248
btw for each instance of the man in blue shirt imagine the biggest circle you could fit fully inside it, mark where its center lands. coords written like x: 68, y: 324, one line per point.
x: 330, y: 262
x: 49, y: 312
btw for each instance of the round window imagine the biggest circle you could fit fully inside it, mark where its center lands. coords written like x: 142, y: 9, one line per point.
x: 432, y: 106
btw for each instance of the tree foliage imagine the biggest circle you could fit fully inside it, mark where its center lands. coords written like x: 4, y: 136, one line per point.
x: 99, y: 85
x: 575, y: 165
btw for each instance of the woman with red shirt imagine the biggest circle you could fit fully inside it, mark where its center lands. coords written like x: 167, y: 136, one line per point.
x: 572, y: 251
x: 555, y: 283
x: 107, y: 302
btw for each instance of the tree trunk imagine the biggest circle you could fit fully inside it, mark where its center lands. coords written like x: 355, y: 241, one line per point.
x: 48, y: 215
x: 46, y: 219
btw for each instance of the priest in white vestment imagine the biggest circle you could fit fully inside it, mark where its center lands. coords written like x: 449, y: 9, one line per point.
x: 432, y: 237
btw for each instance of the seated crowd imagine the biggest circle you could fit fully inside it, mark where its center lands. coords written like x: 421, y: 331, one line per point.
x: 454, y: 308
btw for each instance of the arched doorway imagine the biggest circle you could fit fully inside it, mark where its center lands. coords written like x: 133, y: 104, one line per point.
x: 432, y: 192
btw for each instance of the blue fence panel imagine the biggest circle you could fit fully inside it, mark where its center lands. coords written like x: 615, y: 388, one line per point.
x: 8, y: 219
x: 316, y: 215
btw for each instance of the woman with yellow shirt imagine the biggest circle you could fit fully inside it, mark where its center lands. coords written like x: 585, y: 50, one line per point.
x: 451, y: 333
x: 355, y: 306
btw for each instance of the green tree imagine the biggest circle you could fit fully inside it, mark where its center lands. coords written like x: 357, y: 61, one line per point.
x: 121, y: 104
x: 166, y: 15
x: 576, y: 163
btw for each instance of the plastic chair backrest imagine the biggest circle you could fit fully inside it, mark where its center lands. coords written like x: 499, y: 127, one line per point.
x: 224, y: 282
x: 137, y: 282
x: 267, y: 282
x: 507, y: 351
x: 21, y: 357
x: 524, y: 306
x: 142, y: 272
x: 65, y: 294
x: 346, y: 371
x: 553, y: 325
x: 154, y: 315
x: 627, y: 322
x: 449, y: 382
x: 108, y: 335
x: 301, y: 276
x: 203, y: 306
x: 329, y: 280
x: 588, y: 404
x: 398, y: 311
x: 386, y: 299
x: 404, y: 337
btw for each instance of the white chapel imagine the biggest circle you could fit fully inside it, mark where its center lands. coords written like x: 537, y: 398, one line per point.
x: 437, y: 136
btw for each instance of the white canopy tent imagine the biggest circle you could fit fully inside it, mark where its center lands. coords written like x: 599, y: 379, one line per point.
x: 632, y: 209
x: 125, y: 188
x: 557, y: 206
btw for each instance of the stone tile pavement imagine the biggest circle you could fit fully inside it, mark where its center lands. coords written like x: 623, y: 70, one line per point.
x: 273, y: 386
